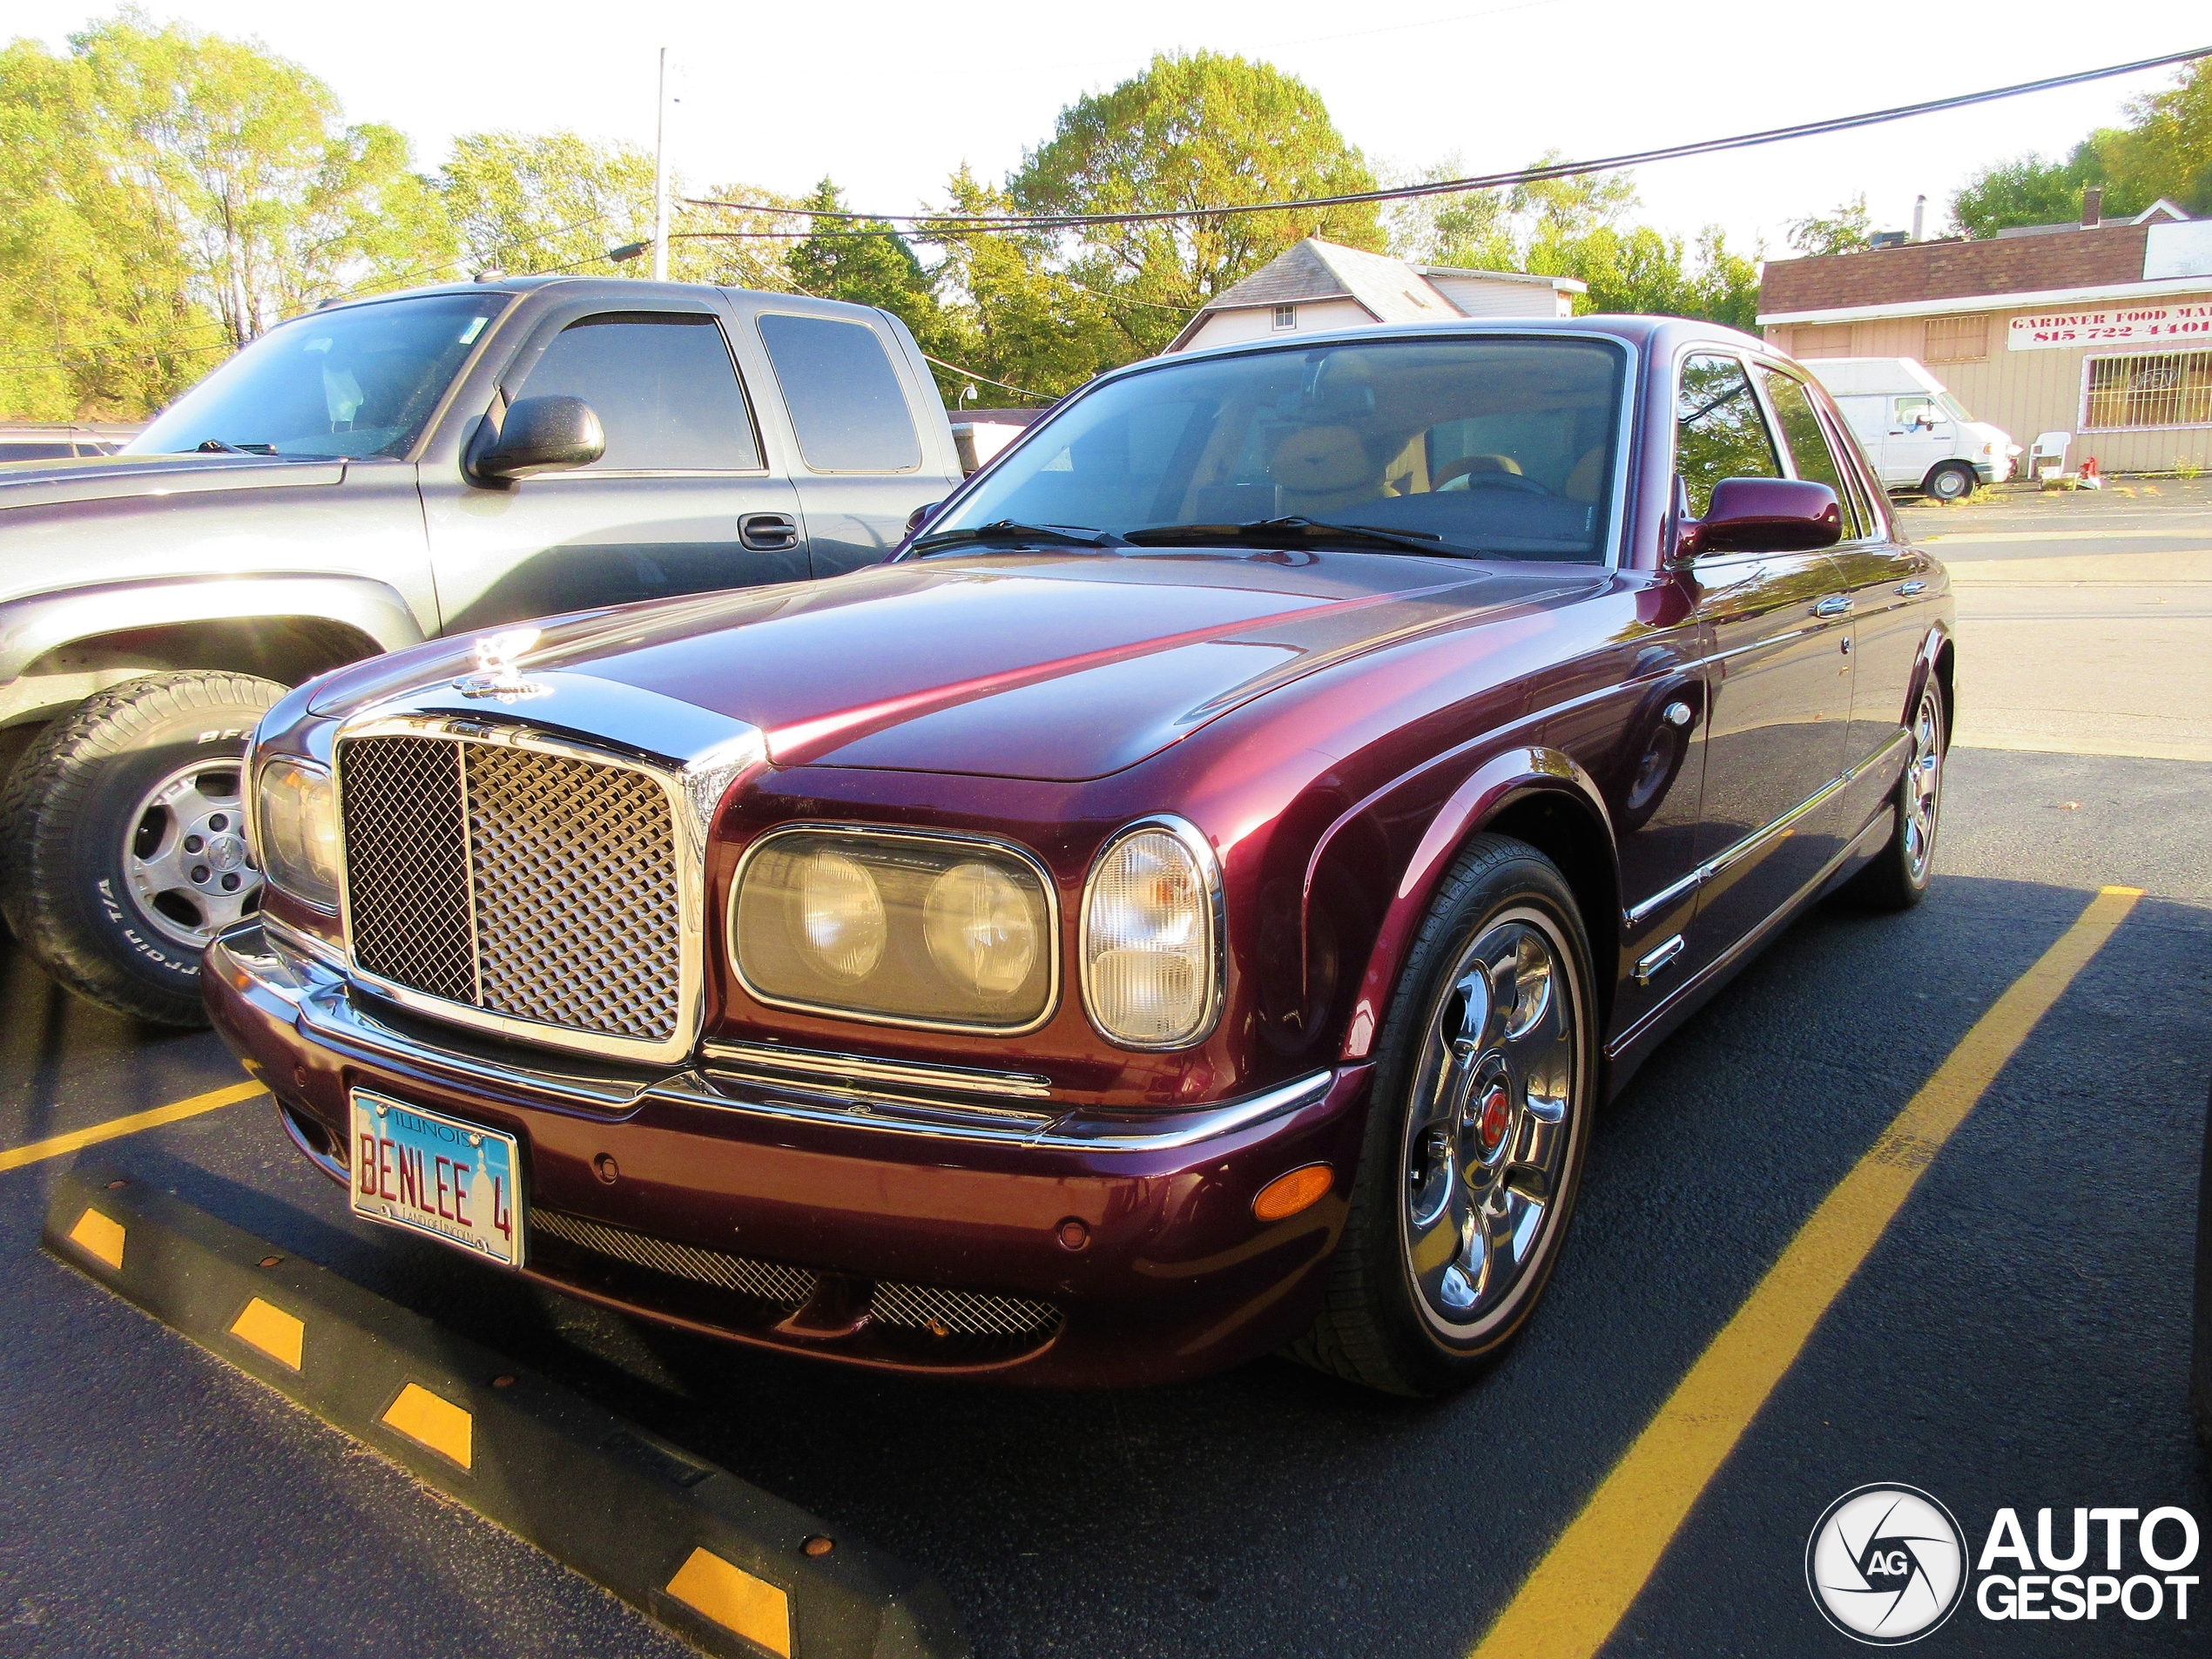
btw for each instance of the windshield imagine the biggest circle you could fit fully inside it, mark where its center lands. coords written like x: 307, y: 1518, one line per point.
x: 1952, y: 407
x: 1500, y: 447
x: 354, y: 382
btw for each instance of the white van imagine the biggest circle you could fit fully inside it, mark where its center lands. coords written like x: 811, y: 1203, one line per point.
x: 1918, y: 435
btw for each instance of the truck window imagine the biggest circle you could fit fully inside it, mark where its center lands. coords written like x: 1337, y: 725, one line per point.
x: 1808, y: 444
x: 1719, y: 432
x: 662, y: 384
x: 845, y: 398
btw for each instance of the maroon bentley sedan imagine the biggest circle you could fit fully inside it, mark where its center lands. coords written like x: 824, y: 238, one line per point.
x: 1189, y: 902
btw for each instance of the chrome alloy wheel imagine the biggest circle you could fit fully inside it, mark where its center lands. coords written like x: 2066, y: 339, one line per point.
x: 1924, y: 786
x: 1488, y: 1139
x: 184, y: 853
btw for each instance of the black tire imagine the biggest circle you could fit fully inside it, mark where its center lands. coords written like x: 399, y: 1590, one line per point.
x: 1951, y: 481
x: 68, y: 820
x: 1378, y: 1326
x: 1898, y: 877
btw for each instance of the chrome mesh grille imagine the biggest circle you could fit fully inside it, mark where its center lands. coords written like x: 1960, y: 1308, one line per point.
x: 968, y: 1313
x: 536, y: 886
x: 407, y: 864
x: 788, y: 1287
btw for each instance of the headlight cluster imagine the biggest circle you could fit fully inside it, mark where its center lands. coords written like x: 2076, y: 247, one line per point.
x: 1151, y: 970
x: 915, y: 929
x: 295, y: 825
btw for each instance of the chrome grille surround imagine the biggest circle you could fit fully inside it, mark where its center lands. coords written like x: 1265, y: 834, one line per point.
x: 966, y: 1314
x: 522, y: 883
x: 771, y: 1282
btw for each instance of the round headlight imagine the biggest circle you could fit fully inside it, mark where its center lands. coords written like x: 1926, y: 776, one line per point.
x: 1150, y: 975
x: 840, y: 915
x: 980, y: 931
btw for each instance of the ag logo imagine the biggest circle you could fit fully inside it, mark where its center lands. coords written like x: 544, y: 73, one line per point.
x: 1886, y: 1564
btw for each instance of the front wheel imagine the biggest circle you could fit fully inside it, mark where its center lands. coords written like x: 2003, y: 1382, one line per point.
x: 1951, y: 483
x: 1476, y: 1138
x: 123, y: 840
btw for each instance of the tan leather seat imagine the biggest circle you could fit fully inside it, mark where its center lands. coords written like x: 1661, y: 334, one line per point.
x: 1323, y: 461
x: 1587, y: 482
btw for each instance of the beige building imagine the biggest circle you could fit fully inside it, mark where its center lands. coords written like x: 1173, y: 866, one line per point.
x: 2102, y: 330
x: 1311, y: 286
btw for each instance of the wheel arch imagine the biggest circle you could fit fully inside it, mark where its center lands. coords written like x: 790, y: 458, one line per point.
x: 1536, y: 794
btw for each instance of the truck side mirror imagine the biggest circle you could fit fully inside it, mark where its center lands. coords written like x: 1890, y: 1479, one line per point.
x: 1768, y: 516
x: 539, y: 435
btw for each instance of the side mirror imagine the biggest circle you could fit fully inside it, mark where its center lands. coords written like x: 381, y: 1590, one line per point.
x: 539, y: 434
x: 920, y: 517
x: 1767, y: 516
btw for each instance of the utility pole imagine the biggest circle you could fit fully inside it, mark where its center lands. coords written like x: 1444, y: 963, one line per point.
x: 660, y: 176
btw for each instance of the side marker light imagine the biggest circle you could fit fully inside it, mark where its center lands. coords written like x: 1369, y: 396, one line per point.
x: 1286, y: 1195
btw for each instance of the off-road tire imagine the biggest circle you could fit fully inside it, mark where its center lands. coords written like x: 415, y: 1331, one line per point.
x: 1368, y: 1330
x: 63, y: 823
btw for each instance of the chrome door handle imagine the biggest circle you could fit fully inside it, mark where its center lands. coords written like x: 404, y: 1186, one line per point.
x: 1835, y: 605
x: 1910, y: 588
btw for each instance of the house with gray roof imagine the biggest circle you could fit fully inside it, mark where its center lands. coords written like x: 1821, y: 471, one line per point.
x: 1313, y: 285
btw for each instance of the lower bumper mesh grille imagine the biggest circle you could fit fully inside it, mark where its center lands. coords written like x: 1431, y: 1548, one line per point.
x: 788, y: 1287
x: 966, y: 1314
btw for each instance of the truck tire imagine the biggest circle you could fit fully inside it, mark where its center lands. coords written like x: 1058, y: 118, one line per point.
x: 1951, y: 481
x: 122, y: 839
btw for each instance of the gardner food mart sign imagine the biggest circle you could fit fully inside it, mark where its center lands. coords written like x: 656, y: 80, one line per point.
x: 2119, y: 325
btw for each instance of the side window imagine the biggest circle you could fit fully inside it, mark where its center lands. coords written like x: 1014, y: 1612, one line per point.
x: 1916, y: 414
x: 1719, y: 431
x: 847, y: 404
x: 662, y: 385
x: 1808, y: 444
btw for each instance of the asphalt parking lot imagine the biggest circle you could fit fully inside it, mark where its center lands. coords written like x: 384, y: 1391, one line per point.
x: 2018, y: 1337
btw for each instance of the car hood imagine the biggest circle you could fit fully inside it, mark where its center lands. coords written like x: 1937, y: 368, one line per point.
x: 47, y: 483
x: 1049, y: 666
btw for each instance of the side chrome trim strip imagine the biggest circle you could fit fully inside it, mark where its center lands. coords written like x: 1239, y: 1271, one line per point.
x: 1757, y: 839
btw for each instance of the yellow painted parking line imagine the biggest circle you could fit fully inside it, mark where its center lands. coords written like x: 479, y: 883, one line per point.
x: 1579, y: 1592
x: 735, y: 1600
x: 15, y: 1156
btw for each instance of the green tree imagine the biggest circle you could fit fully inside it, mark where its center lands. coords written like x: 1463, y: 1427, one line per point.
x: 522, y: 202
x: 1193, y: 131
x: 2164, y: 150
x: 278, y: 204
x: 99, y: 318
x: 1846, y: 230
x: 865, y: 262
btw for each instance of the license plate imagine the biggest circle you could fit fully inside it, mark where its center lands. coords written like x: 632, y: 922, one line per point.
x: 455, y: 1181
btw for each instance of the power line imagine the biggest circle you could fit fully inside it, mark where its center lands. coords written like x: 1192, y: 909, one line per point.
x: 970, y: 222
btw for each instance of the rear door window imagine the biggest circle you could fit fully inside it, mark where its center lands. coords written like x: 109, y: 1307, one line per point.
x: 1808, y: 448
x: 663, y: 385
x: 847, y: 403
x: 1719, y: 431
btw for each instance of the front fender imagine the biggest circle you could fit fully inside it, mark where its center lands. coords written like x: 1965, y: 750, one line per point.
x: 33, y: 626
x: 1507, y: 777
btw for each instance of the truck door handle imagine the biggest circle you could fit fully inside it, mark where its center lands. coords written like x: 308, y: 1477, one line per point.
x: 1835, y: 605
x: 1910, y: 588
x: 768, y: 532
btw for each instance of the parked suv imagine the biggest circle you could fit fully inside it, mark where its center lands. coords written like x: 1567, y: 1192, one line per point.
x: 368, y: 476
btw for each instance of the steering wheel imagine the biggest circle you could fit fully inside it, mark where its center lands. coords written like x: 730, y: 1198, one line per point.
x: 1472, y: 468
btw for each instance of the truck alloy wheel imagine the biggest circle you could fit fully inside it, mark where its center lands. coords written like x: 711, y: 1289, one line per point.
x: 122, y: 839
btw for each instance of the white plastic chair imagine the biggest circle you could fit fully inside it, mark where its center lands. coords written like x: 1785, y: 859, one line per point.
x: 2049, y: 446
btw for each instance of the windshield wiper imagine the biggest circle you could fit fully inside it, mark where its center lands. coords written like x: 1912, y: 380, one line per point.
x: 218, y: 447
x: 1005, y: 530
x: 1304, y: 529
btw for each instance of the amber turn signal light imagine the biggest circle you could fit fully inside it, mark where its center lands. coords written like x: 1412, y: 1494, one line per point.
x: 1286, y: 1195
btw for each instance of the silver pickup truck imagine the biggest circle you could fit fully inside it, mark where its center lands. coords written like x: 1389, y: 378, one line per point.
x: 448, y: 460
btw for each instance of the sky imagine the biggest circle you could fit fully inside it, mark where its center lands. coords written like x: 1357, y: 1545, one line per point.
x: 888, y: 100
